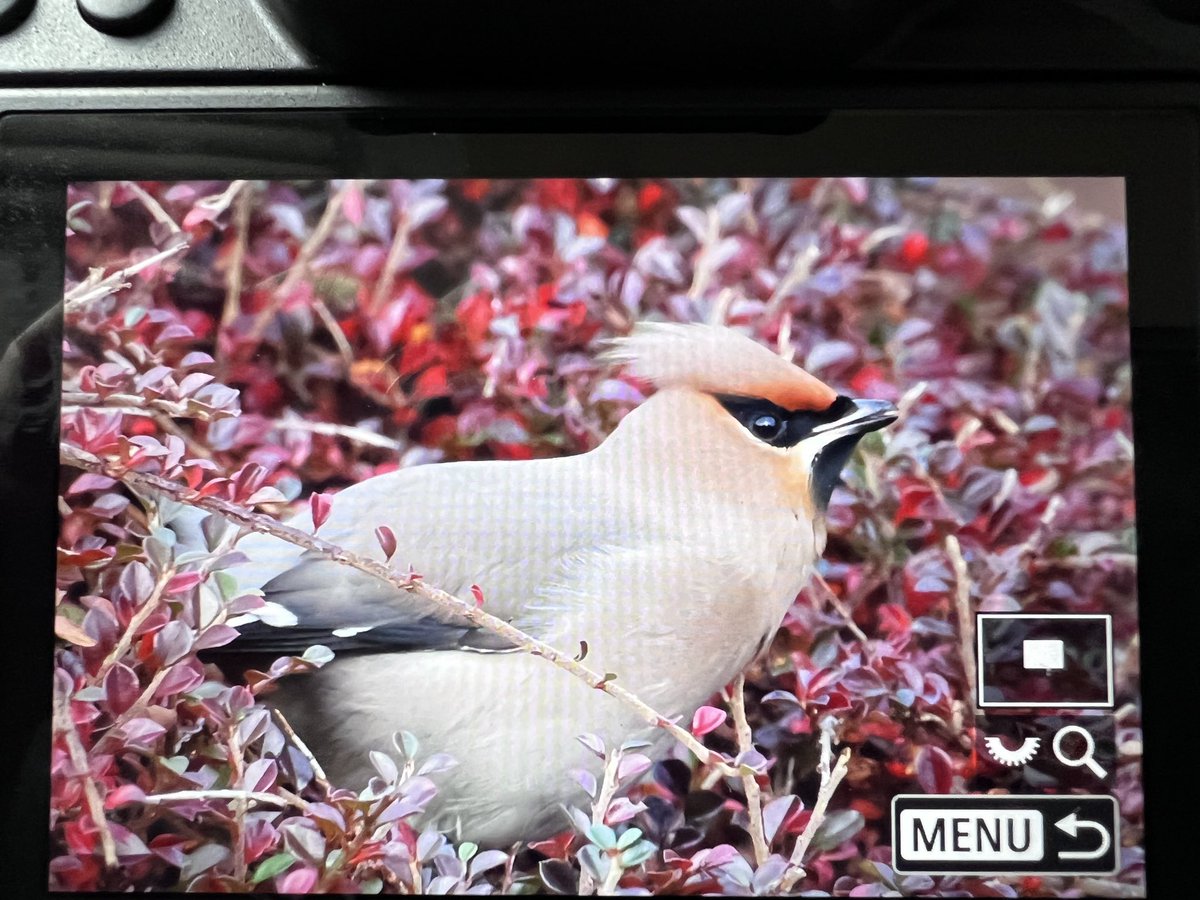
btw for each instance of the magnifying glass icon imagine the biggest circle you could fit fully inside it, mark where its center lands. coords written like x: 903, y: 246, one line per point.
x: 1087, y: 758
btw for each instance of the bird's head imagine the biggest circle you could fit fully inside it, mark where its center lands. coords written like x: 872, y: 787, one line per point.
x: 746, y: 404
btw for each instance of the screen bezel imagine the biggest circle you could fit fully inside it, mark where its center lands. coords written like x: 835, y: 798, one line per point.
x: 1157, y: 152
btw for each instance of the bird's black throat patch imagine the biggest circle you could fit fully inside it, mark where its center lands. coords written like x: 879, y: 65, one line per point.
x: 827, y: 468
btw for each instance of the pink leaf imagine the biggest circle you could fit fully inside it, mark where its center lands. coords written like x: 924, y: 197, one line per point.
x: 387, y: 540
x: 298, y: 881
x: 184, y: 581
x: 321, y: 505
x: 215, y: 636
x: 126, y: 793
x: 477, y: 593
x: 707, y: 719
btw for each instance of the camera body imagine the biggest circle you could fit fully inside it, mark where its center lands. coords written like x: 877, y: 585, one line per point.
x: 134, y: 91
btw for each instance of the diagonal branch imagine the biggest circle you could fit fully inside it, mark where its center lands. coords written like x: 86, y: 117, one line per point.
x: 411, y: 584
x: 65, y: 725
x: 831, y: 776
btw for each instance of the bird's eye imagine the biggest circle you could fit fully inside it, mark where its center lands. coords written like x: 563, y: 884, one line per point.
x: 766, y: 426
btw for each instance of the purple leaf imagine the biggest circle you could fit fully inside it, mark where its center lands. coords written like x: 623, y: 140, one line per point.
x: 121, y: 687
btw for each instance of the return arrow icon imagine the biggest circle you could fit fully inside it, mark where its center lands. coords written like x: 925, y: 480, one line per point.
x: 1071, y: 825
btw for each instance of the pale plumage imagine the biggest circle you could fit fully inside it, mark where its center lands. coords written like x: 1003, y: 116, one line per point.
x: 673, y: 549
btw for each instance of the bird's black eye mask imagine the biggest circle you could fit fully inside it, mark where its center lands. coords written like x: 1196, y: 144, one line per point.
x: 781, y: 427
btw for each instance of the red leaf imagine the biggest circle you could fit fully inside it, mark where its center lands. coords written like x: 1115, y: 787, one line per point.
x: 321, y: 505
x: 121, y: 687
x: 387, y: 540
x: 935, y: 770
x: 477, y: 593
x: 706, y: 719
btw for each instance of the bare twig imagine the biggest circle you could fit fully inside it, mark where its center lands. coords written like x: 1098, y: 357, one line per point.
x: 797, y: 275
x: 155, y: 209
x: 333, y: 429
x: 391, y: 263
x: 144, y: 612
x: 65, y: 725
x: 720, y: 308
x: 831, y: 777
x: 608, y: 787
x: 94, y: 286
x: 234, y: 273
x: 318, y: 773
x: 737, y: 706
x: 965, y: 709
x: 783, y: 341
x: 136, y: 709
x: 237, y: 770
x: 134, y: 403
x: 703, y: 272
x: 282, y: 800
x: 411, y: 584
x: 299, y: 268
x: 335, y: 332
x: 842, y: 609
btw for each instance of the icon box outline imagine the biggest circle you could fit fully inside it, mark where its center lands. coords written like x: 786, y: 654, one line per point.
x: 1005, y: 798
x: 1053, y: 704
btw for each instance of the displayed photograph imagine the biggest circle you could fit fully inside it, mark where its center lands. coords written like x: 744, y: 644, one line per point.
x: 620, y: 536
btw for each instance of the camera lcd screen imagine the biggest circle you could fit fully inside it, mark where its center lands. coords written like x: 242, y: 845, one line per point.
x: 644, y: 535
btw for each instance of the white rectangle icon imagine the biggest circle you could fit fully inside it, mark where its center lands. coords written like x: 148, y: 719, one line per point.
x: 1048, y: 655
x: 977, y: 836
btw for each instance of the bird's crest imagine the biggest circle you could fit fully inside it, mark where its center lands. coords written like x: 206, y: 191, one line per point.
x: 716, y: 360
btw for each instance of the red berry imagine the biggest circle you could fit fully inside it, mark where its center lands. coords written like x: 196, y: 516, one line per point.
x: 914, y: 248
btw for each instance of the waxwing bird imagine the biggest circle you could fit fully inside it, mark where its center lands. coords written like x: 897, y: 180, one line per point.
x: 673, y: 549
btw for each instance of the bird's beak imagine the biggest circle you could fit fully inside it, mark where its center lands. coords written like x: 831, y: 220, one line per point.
x: 832, y: 443
x: 864, y: 416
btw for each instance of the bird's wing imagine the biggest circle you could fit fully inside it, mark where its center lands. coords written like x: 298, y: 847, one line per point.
x: 346, y: 609
x: 502, y: 526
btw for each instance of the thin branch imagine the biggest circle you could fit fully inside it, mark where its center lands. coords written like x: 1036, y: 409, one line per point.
x: 134, y: 403
x: 300, y: 265
x: 259, y: 797
x: 333, y: 429
x: 391, y: 263
x: 136, y: 709
x: 65, y: 725
x: 703, y: 271
x: 719, y: 312
x: 335, y: 332
x: 608, y: 787
x: 318, y: 773
x: 411, y: 584
x: 737, y: 706
x: 153, y: 207
x: 236, y: 771
x: 94, y: 287
x: 234, y: 273
x: 966, y: 628
x: 842, y: 609
x: 144, y: 612
x: 801, y: 268
x: 831, y: 777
